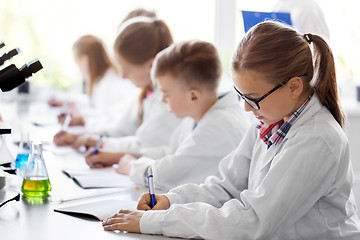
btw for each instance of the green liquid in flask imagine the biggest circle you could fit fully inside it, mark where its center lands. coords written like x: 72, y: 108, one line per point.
x: 36, y: 186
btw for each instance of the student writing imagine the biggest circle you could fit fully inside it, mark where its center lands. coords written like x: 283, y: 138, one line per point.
x: 291, y: 176
x: 138, y: 42
x: 188, y: 73
x: 89, y: 54
x: 103, y: 84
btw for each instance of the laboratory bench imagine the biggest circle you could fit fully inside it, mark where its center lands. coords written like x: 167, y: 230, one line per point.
x: 35, y: 218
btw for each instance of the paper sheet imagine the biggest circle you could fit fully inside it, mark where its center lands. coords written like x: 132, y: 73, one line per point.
x: 51, y: 147
x: 99, y: 178
x: 99, y: 209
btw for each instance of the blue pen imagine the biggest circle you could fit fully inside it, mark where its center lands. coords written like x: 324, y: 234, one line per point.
x: 151, y: 187
x: 97, y: 146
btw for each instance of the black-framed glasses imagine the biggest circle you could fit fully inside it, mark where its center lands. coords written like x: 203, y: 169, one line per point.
x: 254, y: 103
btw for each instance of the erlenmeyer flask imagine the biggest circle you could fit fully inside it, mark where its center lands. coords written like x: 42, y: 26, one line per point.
x: 36, y: 180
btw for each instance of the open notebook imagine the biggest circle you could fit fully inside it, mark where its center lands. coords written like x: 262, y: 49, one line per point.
x: 98, y: 178
x: 100, y: 209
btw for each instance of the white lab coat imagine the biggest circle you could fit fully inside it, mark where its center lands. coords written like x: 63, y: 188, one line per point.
x: 155, y: 130
x: 306, y: 16
x: 112, y: 89
x: 194, y: 153
x: 299, y: 189
x: 110, y: 92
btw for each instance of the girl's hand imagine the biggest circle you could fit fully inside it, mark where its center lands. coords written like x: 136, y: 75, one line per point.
x: 125, y: 220
x: 76, y: 119
x: 63, y: 138
x: 84, y: 140
x: 162, y: 202
x: 53, y: 102
x: 61, y: 118
x: 102, y: 159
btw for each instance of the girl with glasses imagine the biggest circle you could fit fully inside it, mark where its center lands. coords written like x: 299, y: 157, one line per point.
x: 291, y: 176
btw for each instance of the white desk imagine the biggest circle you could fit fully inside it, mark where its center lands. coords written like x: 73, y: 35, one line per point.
x: 24, y: 220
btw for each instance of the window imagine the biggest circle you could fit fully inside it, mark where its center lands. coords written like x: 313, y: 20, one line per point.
x: 46, y: 29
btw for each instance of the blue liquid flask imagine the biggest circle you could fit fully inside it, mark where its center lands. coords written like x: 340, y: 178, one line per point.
x: 23, y: 153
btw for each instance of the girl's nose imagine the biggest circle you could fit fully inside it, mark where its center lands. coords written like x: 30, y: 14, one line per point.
x: 247, y: 107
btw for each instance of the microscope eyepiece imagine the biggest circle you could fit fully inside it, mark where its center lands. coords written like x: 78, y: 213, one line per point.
x: 7, y: 56
x: 11, y: 76
x: 32, y: 67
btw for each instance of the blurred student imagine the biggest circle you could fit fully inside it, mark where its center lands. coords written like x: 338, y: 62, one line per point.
x: 103, y: 84
x: 291, y: 176
x: 188, y: 73
x: 82, y: 49
x: 306, y: 16
x: 146, y: 122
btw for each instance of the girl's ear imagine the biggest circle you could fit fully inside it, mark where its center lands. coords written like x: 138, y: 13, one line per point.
x: 296, y: 87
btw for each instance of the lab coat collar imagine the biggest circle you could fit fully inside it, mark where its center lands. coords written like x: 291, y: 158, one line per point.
x: 227, y: 100
x: 311, y: 109
x: 156, y: 93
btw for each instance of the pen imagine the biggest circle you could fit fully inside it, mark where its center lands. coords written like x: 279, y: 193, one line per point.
x: 97, y: 146
x: 66, y: 122
x: 151, y: 187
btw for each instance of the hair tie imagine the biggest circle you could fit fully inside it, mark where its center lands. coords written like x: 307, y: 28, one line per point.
x: 308, y: 37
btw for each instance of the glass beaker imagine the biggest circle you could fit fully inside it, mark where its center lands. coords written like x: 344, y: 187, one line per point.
x: 23, y: 153
x: 36, y: 180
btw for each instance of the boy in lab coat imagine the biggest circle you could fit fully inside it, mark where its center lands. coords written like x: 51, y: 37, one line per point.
x: 188, y: 74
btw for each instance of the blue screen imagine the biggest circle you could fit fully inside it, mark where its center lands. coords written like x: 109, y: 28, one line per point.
x: 253, y: 18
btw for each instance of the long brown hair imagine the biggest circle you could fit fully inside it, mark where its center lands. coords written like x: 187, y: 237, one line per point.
x: 99, y: 60
x: 280, y: 52
x: 139, y: 40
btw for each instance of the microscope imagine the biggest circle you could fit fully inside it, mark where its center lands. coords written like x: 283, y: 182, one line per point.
x: 10, y: 78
